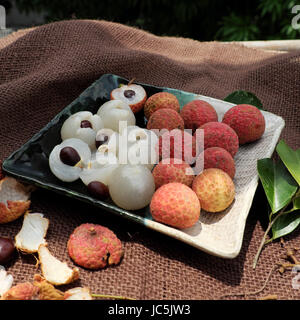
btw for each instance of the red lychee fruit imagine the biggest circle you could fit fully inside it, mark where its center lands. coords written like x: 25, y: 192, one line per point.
x: 93, y: 246
x: 247, y: 121
x: 132, y: 94
x: 21, y: 291
x: 175, y: 204
x: 215, y: 190
x: 196, y: 113
x: 217, y: 134
x: 177, y: 144
x: 216, y: 157
x: 172, y: 170
x: 160, y: 100
x: 165, y: 119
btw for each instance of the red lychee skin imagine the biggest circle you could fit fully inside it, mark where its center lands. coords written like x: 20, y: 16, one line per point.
x: 169, y: 170
x: 169, y: 146
x: 215, y: 190
x: 196, y: 113
x: 216, y: 157
x: 93, y: 246
x: 175, y: 204
x: 165, y: 119
x: 247, y: 121
x: 21, y: 291
x: 218, y: 134
x: 160, y: 100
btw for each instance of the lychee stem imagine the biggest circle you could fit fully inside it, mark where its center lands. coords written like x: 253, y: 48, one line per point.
x: 131, y: 81
x: 110, y: 296
x: 92, y: 231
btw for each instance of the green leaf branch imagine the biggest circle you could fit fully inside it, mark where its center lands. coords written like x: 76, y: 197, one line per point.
x: 281, y: 181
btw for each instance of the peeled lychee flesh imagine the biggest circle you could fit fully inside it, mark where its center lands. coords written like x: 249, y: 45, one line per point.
x: 177, y: 144
x: 160, y: 100
x: 131, y: 186
x: 247, y: 121
x: 14, y: 199
x: 116, y: 114
x: 217, y: 134
x: 165, y: 119
x: 172, y: 170
x: 215, y: 190
x: 196, y: 113
x: 132, y: 94
x: 94, y: 246
x: 175, y: 204
x: 216, y: 157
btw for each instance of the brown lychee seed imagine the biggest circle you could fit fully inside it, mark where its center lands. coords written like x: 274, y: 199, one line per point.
x: 93, y: 246
x: 7, y: 249
x: 129, y: 93
x: 98, y: 190
x: 69, y: 156
x: 85, y: 124
x: 103, y: 139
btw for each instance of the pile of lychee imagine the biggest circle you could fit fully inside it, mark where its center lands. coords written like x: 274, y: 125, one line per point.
x: 162, y: 173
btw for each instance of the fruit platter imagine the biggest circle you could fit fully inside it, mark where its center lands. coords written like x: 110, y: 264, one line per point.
x: 179, y: 163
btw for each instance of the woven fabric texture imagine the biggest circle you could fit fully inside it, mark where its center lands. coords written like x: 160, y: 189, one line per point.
x: 43, y: 69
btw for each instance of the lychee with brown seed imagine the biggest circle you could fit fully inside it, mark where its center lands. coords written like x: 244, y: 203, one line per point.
x: 175, y: 204
x: 165, y: 119
x: 160, y: 100
x: 216, y: 157
x: 172, y: 170
x: 218, y: 134
x: 247, y: 121
x: 196, y: 113
x: 93, y: 246
x: 215, y: 190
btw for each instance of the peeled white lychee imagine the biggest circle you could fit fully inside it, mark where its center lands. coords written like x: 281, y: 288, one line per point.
x: 99, y: 172
x: 131, y: 186
x: 6, y: 281
x: 116, y: 115
x: 55, y: 271
x: 78, y: 293
x: 32, y: 233
x: 108, y: 137
x: 82, y: 125
x: 132, y: 94
x: 137, y: 146
x: 66, y: 172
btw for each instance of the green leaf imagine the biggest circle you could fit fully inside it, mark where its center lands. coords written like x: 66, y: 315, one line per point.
x: 244, y: 97
x: 296, y: 204
x: 285, y: 224
x: 277, y: 182
x: 290, y: 158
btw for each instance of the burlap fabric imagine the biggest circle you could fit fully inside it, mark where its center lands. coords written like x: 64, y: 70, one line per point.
x: 44, y: 69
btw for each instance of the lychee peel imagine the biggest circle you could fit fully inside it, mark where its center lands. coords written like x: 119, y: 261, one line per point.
x: 160, y: 100
x: 196, y: 113
x: 215, y: 190
x: 93, y: 246
x: 247, y: 121
x: 172, y: 170
x: 165, y: 119
x: 216, y: 157
x: 175, y: 204
x: 21, y: 291
x: 218, y: 134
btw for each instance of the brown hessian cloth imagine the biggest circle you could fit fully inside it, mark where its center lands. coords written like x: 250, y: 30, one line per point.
x: 43, y: 69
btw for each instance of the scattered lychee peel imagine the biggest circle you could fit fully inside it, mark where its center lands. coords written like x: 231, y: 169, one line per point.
x: 14, y: 199
x: 21, y: 245
x: 46, y: 290
x: 52, y: 275
x: 21, y: 291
